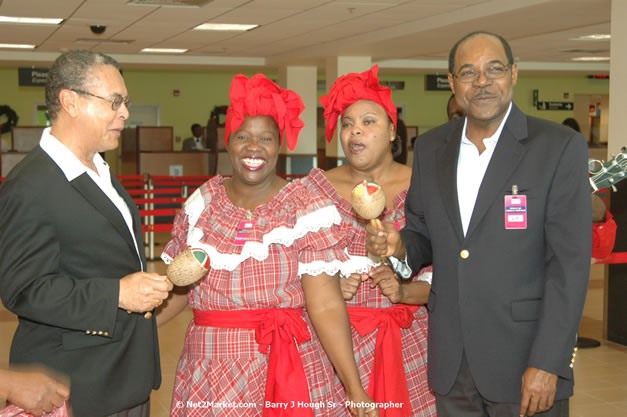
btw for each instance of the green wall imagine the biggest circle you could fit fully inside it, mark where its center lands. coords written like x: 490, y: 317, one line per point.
x: 200, y: 91
x: 427, y: 109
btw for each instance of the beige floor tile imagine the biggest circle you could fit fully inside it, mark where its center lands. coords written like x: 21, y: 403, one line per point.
x: 610, y: 395
x: 581, y: 399
x: 594, y: 410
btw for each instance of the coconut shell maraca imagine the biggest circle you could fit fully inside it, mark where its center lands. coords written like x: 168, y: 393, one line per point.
x: 368, y: 199
x: 188, y: 267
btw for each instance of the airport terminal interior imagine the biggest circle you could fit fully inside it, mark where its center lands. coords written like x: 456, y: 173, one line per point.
x: 305, y: 45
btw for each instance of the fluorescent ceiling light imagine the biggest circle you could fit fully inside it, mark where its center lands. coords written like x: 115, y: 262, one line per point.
x: 108, y: 41
x: 165, y: 50
x: 16, y: 46
x: 224, y: 26
x: 595, y: 37
x: 592, y: 58
x: 30, y: 20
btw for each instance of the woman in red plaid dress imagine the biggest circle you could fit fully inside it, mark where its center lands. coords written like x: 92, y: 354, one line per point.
x: 251, y: 350
x: 388, y: 315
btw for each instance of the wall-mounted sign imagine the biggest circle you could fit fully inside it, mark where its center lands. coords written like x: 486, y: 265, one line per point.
x: 393, y: 85
x: 30, y: 77
x: 555, y: 105
x: 437, y: 82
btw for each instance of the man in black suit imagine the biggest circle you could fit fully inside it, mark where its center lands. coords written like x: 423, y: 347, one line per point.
x: 196, y: 142
x: 499, y: 202
x: 71, y: 244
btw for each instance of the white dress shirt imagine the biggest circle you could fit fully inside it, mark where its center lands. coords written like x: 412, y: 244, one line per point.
x: 72, y: 168
x: 471, y: 167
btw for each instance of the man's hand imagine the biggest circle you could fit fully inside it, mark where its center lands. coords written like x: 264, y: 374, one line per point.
x: 35, y: 390
x: 538, y: 391
x: 350, y: 285
x: 143, y: 291
x: 384, y: 240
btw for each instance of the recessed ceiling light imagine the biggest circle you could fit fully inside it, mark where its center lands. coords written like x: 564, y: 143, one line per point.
x: 224, y: 26
x: 165, y: 50
x: 30, y: 20
x: 16, y: 46
x: 595, y: 37
x: 591, y: 58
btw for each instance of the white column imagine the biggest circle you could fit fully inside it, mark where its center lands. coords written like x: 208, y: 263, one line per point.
x: 335, y: 67
x: 302, y: 80
x: 618, y: 78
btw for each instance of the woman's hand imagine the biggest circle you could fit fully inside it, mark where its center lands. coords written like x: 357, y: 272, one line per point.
x: 388, y: 283
x: 361, y: 405
x: 351, y: 284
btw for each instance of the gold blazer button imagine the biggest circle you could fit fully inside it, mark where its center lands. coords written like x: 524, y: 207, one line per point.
x: 464, y: 254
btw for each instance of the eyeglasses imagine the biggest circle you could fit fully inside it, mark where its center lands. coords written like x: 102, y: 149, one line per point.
x: 116, y: 101
x: 493, y: 72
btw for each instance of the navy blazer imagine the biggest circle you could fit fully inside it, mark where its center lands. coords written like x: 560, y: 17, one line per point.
x: 64, y: 248
x: 508, y: 299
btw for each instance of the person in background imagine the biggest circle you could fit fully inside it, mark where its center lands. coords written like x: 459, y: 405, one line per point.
x: 72, y: 253
x: 273, y: 248
x: 572, y: 123
x: 388, y: 316
x: 33, y: 389
x: 499, y: 203
x: 453, y: 109
x: 196, y: 142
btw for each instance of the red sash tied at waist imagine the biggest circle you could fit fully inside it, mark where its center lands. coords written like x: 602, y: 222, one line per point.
x: 279, y: 328
x: 387, y: 379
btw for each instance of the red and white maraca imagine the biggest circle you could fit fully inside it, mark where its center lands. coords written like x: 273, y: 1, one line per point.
x: 368, y: 200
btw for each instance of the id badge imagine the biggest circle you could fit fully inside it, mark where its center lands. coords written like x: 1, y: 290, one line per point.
x: 244, y: 229
x: 515, y: 211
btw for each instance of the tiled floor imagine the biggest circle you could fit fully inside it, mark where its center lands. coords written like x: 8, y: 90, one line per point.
x: 600, y: 373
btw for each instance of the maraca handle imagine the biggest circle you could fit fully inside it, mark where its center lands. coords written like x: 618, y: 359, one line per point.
x: 375, y: 224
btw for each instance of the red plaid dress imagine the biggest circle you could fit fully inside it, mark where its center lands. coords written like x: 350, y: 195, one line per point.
x: 221, y: 371
x: 414, y: 338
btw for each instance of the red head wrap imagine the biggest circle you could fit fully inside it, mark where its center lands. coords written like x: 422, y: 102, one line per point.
x: 259, y: 96
x: 352, y: 87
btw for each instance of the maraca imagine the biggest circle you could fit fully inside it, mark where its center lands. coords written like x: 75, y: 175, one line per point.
x: 368, y: 201
x: 188, y: 267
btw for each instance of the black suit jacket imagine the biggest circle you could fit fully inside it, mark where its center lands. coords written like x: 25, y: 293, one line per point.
x: 514, y: 299
x: 64, y: 248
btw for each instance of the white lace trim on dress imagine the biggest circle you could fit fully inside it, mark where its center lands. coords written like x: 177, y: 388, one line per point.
x: 316, y: 268
x: 311, y: 222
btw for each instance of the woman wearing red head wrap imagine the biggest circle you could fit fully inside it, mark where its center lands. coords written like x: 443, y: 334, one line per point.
x: 251, y: 350
x: 388, y: 316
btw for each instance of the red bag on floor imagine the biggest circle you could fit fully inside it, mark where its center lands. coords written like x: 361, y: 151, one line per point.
x: 603, y: 237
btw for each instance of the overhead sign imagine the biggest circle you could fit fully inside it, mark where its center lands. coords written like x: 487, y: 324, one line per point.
x: 555, y: 105
x: 437, y: 82
x: 30, y: 77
